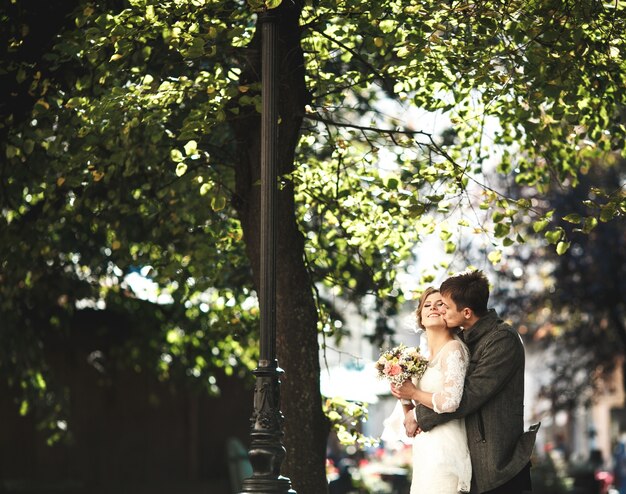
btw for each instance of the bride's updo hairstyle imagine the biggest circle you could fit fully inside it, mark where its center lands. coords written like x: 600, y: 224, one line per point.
x: 418, y: 312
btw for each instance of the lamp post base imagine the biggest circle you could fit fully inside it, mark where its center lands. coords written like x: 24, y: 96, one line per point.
x: 266, y: 451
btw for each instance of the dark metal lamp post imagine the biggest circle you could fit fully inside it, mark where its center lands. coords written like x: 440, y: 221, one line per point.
x: 266, y: 449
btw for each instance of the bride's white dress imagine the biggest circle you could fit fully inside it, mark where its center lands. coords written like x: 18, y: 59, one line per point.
x: 441, y: 461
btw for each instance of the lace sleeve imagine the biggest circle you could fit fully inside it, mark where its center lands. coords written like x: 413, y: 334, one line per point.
x: 454, y: 361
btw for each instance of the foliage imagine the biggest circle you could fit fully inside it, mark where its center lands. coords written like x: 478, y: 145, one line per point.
x: 345, y: 417
x: 478, y: 62
x: 119, y: 155
x: 96, y: 187
x: 572, y: 302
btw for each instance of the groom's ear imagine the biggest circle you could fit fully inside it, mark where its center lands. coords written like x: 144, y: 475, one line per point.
x: 467, y: 313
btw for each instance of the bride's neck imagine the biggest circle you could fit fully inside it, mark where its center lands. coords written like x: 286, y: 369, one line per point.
x: 437, y: 338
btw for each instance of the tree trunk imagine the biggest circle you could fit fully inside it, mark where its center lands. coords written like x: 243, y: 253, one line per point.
x: 306, y: 427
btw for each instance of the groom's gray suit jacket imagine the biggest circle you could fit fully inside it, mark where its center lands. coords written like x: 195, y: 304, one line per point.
x: 492, y: 404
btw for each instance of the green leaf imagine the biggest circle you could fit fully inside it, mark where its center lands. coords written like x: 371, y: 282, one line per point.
x: 29, y: 146
x: 589, y: 224
x: 205, y: 188
x: 261, y: 5
x: 495, y: 256
x: 497, y: 216
x: 607, y: 212
x: 540, y: 225
x: 218, y: 203
x: 573, y: 218
x: 196, y: 50
x: 502, y: 230
x: 191, y: 148
x: 181, y: 169
x: 11, y: 151
x: 562, y: 247
x: 392, y: 183
x: 176, y: 155
x: 553, y: 236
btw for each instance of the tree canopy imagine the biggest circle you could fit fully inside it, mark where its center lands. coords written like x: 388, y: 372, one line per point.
x: 130, y: 139
x: 573, y: 302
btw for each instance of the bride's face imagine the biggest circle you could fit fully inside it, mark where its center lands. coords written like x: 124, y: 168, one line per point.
x: 433, y: 310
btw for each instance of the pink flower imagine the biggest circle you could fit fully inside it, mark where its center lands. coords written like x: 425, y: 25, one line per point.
x: 392, y: 369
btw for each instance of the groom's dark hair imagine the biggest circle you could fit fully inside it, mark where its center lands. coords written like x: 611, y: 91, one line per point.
x: 470, y: 289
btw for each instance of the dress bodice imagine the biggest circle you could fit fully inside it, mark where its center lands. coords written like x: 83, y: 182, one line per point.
x: 445, y: 376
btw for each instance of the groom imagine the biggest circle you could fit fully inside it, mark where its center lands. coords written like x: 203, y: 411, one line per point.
x: 493, y: 396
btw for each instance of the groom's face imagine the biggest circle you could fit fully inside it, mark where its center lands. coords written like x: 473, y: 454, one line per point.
x: 451, y: 314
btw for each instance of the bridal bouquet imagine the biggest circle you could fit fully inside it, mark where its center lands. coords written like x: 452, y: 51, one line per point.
x: 401, y: 363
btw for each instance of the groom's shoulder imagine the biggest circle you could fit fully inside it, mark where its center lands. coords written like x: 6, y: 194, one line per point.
x: 500, y: 324
x: 503, y: 331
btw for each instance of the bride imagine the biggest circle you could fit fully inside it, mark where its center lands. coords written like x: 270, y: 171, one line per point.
x: 441, y: 461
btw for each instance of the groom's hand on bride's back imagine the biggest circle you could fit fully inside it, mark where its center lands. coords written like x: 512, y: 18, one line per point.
x: 410, y: 425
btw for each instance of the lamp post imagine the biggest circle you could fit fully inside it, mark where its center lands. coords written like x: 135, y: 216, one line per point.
x: 266, y: 451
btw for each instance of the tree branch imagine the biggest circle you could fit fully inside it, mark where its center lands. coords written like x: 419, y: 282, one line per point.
x: 391, y: 132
